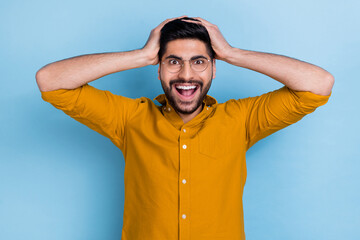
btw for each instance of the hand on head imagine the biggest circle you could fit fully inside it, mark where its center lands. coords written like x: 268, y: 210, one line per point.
x: 152, y: 45
x: 218, y: 42
x: 221, y: 47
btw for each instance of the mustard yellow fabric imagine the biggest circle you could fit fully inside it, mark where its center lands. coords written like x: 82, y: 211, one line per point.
x: 184, y: 181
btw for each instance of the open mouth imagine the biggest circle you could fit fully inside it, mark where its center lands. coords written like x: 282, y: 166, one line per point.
x: 186, y: 91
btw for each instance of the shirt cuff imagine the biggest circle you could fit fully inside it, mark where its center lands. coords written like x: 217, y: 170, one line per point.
x: 309, y: 98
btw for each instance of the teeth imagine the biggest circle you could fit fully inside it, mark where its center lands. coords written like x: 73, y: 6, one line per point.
x: 185, y: 87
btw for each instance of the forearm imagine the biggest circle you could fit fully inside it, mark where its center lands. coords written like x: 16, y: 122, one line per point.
x: 295, y: 74
x: 74, y: 72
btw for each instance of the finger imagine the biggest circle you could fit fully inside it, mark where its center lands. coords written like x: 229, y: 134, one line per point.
x: 203, y: 21
x: 196, y: 22
x: 169, y: 20
x: 207, y: 26
x: 191, y: 21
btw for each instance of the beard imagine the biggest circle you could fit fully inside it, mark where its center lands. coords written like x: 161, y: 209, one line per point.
x: 185, y: 107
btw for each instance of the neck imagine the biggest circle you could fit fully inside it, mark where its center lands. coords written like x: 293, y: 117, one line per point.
x: 188, y: 117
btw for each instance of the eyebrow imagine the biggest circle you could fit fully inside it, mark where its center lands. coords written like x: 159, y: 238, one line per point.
x: 180, y: 58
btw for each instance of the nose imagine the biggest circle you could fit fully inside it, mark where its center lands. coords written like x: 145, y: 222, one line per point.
x: 186, y: 71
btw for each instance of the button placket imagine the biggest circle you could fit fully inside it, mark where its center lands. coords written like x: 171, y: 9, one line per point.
x: 184, y: 191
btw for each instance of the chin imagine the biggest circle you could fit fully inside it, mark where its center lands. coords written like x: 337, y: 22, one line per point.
x: 189, y: 109
x: 186, y: 103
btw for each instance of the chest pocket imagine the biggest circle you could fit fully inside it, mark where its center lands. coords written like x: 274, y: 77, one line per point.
x: 213, y: 142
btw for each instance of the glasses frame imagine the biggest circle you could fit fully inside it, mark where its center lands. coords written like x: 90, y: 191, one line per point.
x: 183, y: 63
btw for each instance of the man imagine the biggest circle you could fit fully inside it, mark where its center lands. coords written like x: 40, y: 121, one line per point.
x: 185, y: 163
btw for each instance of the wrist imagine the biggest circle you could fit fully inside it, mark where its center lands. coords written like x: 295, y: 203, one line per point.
x: 226, y: 54
x: 150, y: 57
x: 235, y: 56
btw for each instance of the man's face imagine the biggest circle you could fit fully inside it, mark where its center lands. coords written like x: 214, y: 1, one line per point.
x: 187, y: 88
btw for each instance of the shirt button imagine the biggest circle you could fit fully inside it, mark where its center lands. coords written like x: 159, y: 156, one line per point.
x: 183, y: 216
x: 184, y: 146
x: 207, y: 108
x: 169, y: 109
x: 184, y: 130
x: 183, y: 181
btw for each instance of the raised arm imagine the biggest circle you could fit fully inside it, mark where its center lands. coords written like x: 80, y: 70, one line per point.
x: 295, y: 74
x: 76, y: 71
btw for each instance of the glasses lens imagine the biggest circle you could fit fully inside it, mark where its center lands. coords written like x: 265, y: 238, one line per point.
x: 199, y: 64
x: 173, y: 64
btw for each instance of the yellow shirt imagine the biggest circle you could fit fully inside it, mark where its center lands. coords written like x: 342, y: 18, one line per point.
x: 184, y: 181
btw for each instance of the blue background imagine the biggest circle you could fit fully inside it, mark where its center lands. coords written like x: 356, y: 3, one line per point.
x: 60, y: 180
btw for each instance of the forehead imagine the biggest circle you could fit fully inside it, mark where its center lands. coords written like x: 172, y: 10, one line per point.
x: 186, y: 48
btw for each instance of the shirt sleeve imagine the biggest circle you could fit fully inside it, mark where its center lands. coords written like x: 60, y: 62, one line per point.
x: 100, y: 110
x: 275, y: 110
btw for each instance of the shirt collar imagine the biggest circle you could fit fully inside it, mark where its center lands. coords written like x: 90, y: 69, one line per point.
x: 167, y: 110
x: 162, y: 99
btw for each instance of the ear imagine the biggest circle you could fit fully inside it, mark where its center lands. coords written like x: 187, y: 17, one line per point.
x: 159, y: 71
x: 214, y: 68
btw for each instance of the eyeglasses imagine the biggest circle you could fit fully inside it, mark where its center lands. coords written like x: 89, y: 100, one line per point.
x: 174, y: 65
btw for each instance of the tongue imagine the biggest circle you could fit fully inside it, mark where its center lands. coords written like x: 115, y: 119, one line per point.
x: 186, y: 92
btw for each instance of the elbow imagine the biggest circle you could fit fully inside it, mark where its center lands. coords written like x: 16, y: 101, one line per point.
x: 328, y: 83
x: 331, y: 80
x: 323, y: 85
x: 42, y: 79
x: 40, y: 76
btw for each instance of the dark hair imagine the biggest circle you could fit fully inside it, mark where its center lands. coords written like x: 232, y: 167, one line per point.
x: 178, y: 29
